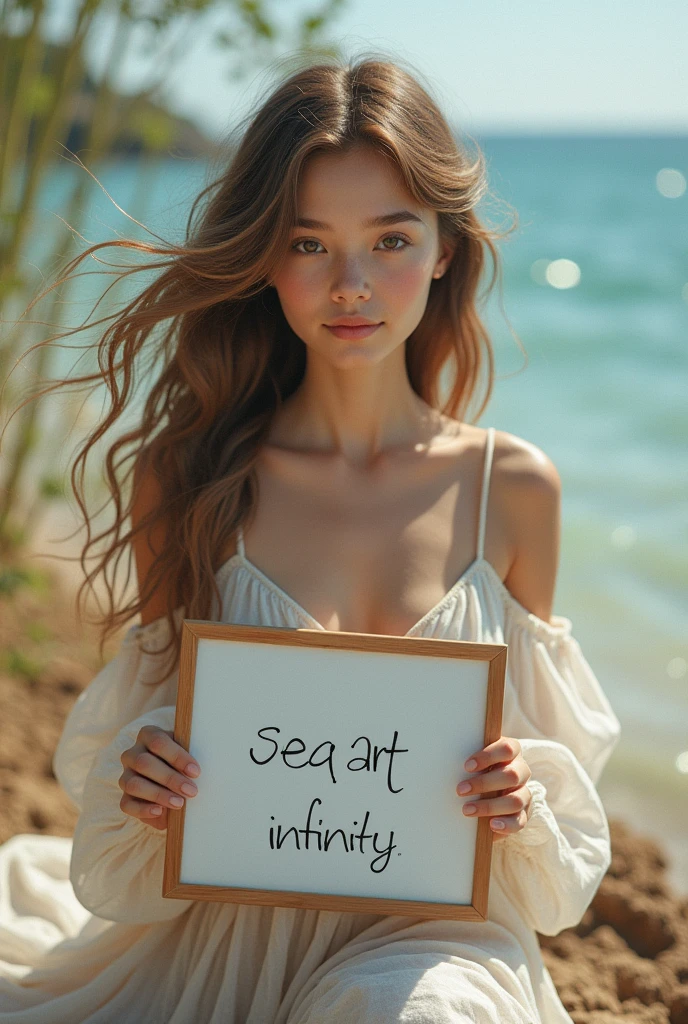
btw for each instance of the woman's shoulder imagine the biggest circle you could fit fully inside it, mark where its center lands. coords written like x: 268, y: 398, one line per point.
x: 523, y: 479
x: 525, y: 493
x: 523, y: 463
x: 517, y: 461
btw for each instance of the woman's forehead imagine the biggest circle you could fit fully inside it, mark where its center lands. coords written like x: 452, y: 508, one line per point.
x: 354, y: 189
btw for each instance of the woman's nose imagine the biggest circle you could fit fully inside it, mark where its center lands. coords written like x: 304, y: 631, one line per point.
x: 350, y: 285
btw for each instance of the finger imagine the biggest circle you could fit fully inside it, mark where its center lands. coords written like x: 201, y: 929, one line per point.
x: 142, y: 762
x: 144, y: 811
x: 506, y: 748
x: 144, y: 789
x: 506, y: 777
x: 512, y: 803
x: 160, y: 742
x: 511, y: 823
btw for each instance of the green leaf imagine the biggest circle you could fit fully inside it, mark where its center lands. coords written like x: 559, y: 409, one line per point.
x: 14, y: 662
x: 51, y: 487
x: 38, y: 96
x: 156, y: 128
x: 11, y: 580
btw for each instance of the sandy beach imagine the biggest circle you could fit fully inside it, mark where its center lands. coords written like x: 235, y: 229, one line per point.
x: 627, y: 958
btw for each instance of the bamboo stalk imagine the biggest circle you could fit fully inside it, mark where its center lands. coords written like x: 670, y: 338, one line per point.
x: 99, y: 136
x: 52, y: 125
x: 16, y: 123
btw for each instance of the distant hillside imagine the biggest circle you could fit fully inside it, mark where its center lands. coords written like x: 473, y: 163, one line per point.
x: 145, y: 125
x: 141, y: 125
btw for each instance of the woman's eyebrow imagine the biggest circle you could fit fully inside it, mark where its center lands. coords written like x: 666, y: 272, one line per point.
x: 375, y: 222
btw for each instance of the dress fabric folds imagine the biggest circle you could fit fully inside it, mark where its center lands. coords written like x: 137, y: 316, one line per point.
x: 86, y: 937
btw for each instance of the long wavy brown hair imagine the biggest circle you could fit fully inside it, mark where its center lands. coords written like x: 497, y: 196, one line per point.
x: 215, y: 326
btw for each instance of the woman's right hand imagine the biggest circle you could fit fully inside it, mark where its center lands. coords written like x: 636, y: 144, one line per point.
x: 155, y: 771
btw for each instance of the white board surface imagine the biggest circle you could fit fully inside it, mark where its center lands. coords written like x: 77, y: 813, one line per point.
x: 394, y: 831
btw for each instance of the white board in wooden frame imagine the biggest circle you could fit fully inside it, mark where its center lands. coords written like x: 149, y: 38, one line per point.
x: 365, y: 734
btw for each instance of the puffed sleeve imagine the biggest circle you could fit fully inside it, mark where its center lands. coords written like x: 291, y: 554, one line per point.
x: 121, y: 691
x: 558, y: 711
x: 117, y: 860
x: 557, y: 695
x: 553, y: 867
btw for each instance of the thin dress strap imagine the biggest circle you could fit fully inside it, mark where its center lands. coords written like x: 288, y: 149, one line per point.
x: 489, y: 449
x: 240, y: 542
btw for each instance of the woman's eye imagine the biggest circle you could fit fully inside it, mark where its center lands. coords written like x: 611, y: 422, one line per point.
x: 395, y: 238
x: 387, y: 238
x: 305, y: 241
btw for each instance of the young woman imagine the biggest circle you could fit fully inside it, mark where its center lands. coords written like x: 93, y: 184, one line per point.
x: 296, y: 466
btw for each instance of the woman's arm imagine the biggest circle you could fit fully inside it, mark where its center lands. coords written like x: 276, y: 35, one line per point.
x: 117, y: 860
x: 552, y: 867
x: 528, y: 502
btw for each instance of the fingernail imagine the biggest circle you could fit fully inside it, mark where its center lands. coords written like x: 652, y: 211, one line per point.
x: 465, y: 787
x: 176, y: 801
x: 156, y: 810
x: 189, y: 789
x: 469, y: 809
x: 193, y: 770
x: 470, y: 765
x: 496, y: 823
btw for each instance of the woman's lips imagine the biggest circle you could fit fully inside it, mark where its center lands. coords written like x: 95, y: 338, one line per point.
x: 352, y: 333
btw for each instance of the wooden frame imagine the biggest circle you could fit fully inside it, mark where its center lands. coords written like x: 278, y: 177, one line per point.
x: 479, y: 668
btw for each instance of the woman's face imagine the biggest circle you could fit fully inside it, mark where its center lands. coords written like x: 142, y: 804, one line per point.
x: 348, y: 266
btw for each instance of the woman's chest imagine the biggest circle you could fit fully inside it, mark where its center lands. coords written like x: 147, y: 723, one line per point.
x: 364, y: 553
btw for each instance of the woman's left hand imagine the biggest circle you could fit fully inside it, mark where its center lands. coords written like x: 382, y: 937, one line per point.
x: 499, y: 780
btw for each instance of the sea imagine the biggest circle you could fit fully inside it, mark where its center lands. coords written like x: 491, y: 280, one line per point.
x: 590, y: 333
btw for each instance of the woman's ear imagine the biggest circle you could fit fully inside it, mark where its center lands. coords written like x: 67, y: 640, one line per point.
x: 443, y: 260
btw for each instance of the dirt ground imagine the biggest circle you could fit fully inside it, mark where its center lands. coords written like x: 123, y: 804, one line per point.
x: 626, y: 960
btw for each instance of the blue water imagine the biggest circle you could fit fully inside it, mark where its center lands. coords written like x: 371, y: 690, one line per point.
x: 604, y: 395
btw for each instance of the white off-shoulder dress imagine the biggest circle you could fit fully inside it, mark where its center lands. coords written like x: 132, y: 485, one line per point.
x: 85, y: 935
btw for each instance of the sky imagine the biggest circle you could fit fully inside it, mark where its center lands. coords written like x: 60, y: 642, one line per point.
x: 499, y: 66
